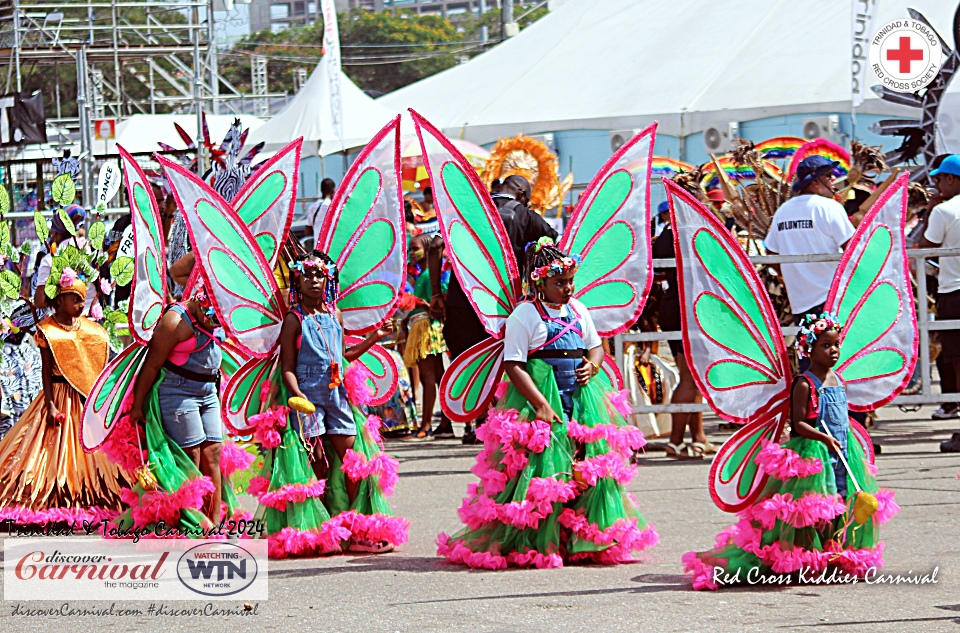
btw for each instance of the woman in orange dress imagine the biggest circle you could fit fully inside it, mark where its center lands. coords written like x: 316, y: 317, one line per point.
x: 45, y: 476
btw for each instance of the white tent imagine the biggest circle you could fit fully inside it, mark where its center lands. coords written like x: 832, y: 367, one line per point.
x: 691, y: 64
x: 141, y: 132
x: 309, y: 115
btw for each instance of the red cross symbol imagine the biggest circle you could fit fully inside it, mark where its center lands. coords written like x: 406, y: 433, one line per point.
x: 905, y: 55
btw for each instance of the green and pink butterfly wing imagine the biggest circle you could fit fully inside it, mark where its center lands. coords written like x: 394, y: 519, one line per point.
x: 469, y: 384
x: 364, y: 232
x: 732, y: 344
x: 148, y: 291
x: 477, y: 243
x: 267, y: 200
x: 236, y: 274
x: 609, y: 229
x: 732, y: 338
x: 107, y: 400
x: 479, y: 251
x: 873, y: 297
x: 252, y: 390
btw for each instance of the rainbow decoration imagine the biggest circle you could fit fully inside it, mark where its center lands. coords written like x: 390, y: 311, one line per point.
x: 821, y: 147
x: 664, y: 167
x: 734, y: 171
x: 779, y: 147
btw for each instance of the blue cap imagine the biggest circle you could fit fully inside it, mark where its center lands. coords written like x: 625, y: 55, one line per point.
x: 950, y: 165
x: 811, y: 168
x: 663, y: 207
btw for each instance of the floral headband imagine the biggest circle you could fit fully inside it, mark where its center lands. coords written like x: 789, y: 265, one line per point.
x: 72, y: 281
x: 206, y: 305
x: 557, y: 266
x: 313, y: 262
x: 813, y: 326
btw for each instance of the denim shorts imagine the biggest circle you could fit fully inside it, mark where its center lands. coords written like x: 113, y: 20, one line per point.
x: 190, y: 411
x: 333, y: 416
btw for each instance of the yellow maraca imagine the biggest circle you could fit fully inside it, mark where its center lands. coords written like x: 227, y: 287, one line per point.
x: 864, y: 507
x: 866, y: 504
x: 301, y: 405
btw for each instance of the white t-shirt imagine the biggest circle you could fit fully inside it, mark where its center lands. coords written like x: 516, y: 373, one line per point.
x: 943, y: 228
x: 808, y: 225
x: 527, y: 331
x: 316, y: 213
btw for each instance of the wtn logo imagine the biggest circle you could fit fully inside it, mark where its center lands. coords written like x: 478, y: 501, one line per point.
x: 218, y: 569
x: 225, y: 569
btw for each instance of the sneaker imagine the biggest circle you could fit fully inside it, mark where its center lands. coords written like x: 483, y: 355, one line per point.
x: 946, y: 412
x: 470, y: 438
x: 370, y: 547
x: 952, y: 445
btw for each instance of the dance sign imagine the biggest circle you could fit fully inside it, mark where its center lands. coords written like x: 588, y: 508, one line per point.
x: 905, y: 55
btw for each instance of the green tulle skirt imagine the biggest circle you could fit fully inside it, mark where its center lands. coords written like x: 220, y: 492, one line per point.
x: 799, y: 529
x: 304, y: 516
x: 552, y: 493
x: 173, y: 504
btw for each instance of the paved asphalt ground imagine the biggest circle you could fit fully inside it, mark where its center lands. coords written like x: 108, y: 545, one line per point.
x: 411, y: 590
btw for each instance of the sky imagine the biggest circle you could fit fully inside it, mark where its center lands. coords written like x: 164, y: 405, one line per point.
x: 232, y: 25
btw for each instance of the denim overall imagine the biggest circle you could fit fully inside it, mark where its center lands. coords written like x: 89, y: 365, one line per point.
x: 190, y: 409
x: 563, y: 334
x: 832, y: 413
x: 321, y: 343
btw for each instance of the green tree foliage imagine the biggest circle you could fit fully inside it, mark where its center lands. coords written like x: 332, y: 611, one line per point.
x: 398, y: 49
x: 381, y: 51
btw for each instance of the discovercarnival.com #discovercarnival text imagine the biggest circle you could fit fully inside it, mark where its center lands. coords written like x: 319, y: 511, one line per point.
x: 155, y: 609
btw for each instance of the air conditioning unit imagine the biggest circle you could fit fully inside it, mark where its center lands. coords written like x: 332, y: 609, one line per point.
x: 547, y: 139
x: 719, y: 138
x: 827, y: 127
x: 619, y: 137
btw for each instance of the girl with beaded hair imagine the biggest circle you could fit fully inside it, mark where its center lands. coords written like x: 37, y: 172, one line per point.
x: 312, y: 360
x: 556, y: 495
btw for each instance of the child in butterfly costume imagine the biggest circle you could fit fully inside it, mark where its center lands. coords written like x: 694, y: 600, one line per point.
x: 557, y: 447
x: 236, y: 259
x: 800, y: 507
x: 155, y: 409
x: 343, y: 450
x: 806, y: 520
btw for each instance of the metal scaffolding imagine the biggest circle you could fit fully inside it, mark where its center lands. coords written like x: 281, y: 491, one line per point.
x: 131, y: 57
x: 258, y: 83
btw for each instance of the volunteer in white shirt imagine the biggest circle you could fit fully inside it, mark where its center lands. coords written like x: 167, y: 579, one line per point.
x: 810, y: 223
x: 943, y: 230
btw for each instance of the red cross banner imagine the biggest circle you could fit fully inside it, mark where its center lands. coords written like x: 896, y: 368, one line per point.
x: 905, y: 55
